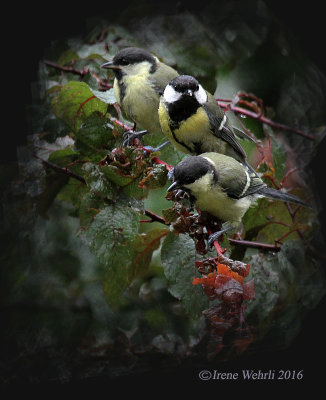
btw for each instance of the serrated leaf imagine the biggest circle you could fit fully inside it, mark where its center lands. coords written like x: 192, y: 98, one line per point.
x: 75, y: 103
x: 113, y: 174
x: 156, y: 178
x: 123, y: 253
x: 178, y: 259
x: 94, y: 138
x: 97, y: 181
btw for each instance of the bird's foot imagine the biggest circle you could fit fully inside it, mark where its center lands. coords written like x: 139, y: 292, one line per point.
x: 129, y: 136
x: 214, y: 237
x: 150, y: 149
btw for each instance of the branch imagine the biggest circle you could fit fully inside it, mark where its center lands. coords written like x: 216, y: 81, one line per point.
x: 255, y: 245
x: 154, y: 218
x: 117, y: 122
x: 101, y: 82
x: 72, y: 70
x: 239, y: 110
x: 57, y: 168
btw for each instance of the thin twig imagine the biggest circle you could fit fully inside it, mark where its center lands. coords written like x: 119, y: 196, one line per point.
x: 65, y: 171
x: 72, y: 70
x: 230, y: 106
x: 102, y: 84
x: 154, y: 218
x: 256, y: 245
x: 117, y: 122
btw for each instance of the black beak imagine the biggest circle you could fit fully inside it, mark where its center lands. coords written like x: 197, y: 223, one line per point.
x: 110, y: 65
x: 189, y: 92
x: 174, y: 186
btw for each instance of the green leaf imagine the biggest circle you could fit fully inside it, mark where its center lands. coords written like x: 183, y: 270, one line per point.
x: 114, y: 175
x: 107, y: 96
x: 270, y: 220
x: 63, y: 157
x: 133, y: 190
x: 72, y: 192
x: 94, y: 138
x: 156, y: 178
x: 178, y: 259
x: 90, y: 205
x: 75, y: 103
x: 109, y: 237
x: 97, y: 181
x: 67, y: 57
x: 143, y: 247
x: 123, y: 253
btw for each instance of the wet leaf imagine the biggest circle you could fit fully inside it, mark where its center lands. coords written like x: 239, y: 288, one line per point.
x: 98, y: 182
x: 75, y: 103
x: 123, y: 253
x: 178, y: 259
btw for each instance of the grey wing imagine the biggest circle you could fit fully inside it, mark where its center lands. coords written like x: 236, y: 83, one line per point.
x: 243, y: 183
x: 255, y: 185
x: 241, y: 134
x: 162, y: 76
x: 220, y: 127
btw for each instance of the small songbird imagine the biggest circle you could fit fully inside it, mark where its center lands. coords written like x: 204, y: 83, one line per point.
x: 193, y: 121
x: 223, y: 187
x: 140, y: 79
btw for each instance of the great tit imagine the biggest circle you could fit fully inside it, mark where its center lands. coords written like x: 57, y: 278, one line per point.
x: 223, y: 187
x: 193, y: 121
x: 140, y: 79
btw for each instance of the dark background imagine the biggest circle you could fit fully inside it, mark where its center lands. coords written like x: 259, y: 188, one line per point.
x: 30, y: 30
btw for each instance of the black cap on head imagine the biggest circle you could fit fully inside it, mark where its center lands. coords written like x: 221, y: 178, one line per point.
x: 183, y: 83
x: 132, y: 55
x: 190, y: 169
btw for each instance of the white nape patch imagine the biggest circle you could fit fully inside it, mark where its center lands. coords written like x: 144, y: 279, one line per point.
x: 201, y: 95
x: 170, y: 95
x: 247, y: 183
x: 211, y: 161
x: 222, y: 123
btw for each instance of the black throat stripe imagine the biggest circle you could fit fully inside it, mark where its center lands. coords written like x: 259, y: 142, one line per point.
x: 122, y: 88
x: 178, y: 141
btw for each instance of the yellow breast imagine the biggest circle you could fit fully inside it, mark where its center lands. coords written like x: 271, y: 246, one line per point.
x: 140, y: 102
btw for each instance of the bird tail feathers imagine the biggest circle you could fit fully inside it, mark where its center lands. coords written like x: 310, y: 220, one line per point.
x: 278, y: 195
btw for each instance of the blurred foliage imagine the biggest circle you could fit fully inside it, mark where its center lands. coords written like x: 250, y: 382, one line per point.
x: 79, y: 268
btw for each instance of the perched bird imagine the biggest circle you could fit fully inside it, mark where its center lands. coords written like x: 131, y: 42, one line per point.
x: 140, y: 79
x: 193, y: 121
x: 223, y: 187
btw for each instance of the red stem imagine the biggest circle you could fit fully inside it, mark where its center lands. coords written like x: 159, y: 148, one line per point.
x: 263, y: 119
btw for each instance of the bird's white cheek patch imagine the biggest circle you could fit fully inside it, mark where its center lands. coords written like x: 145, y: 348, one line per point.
x: 170, y: 95
x: 201, y: 95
